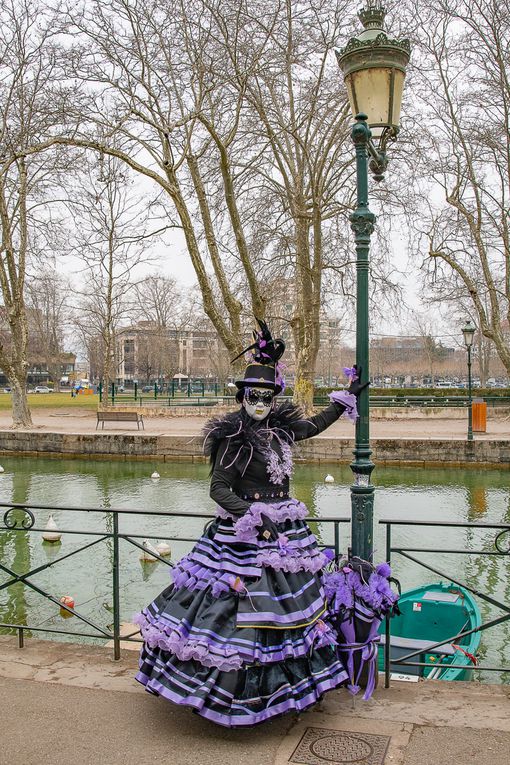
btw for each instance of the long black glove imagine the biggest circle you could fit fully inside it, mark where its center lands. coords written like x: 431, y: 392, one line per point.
x: 267, y: 530
x: 356, y: 386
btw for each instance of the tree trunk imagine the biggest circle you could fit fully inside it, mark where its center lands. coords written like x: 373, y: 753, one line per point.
x: 14, y: 363
x: 303, y: 389
x: 107, y: 370
x: 21, y: 417
x: 484, y: 354
x: 306, y: 323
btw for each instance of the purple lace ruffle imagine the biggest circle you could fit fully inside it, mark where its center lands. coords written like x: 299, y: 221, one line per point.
x: 246, y: 527
x: 279, y: 468
x: 212, y: 654
x: 291, y: 560
x: 345, y: 585
x: 168, y: 639
x: 194, y: 576
x: 348, y: 400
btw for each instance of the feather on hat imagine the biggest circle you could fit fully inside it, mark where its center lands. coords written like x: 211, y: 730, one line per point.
x: 263, y: 371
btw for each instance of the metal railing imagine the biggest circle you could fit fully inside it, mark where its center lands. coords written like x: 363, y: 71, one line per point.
x: 425, y: 401
x: 212, y: 396
x: 167, y: 401
x: 21, y: 518
x: 500, y: 549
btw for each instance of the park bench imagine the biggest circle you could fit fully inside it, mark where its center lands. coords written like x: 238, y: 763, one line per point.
x: 103, y: 417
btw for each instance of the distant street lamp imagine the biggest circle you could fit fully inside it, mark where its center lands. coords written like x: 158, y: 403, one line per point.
x: 374, y: 70
x: 468, y: 331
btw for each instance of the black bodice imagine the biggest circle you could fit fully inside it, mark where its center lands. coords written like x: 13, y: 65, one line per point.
x: 243, y: 449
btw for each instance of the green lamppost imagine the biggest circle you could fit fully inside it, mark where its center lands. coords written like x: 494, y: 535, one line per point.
x: 469, y: 331
x: 374, y: 70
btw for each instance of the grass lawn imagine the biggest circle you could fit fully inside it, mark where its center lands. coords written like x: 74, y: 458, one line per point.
x: 54, y: 401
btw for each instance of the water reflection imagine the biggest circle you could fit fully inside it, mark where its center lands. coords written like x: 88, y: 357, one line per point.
x: 148, y: 569
x: 15, y: 555
x: 478, y: 502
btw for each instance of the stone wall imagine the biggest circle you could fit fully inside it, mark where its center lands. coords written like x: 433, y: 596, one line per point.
x: 376, y: 412
x: 153, y: 410
x: 410, y: 451
x: 189, y: 448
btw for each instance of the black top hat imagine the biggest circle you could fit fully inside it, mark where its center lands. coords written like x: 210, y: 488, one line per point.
x: 262, y: 371
x: 260, y: 376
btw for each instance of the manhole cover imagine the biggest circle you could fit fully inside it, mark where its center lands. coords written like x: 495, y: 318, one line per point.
x: 319, y: 746
x: 341, y: 747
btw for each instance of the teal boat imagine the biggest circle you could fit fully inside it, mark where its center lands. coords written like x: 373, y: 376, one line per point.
x: 430, y: 614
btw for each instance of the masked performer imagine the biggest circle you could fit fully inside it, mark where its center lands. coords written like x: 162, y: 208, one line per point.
x: 242, y: 634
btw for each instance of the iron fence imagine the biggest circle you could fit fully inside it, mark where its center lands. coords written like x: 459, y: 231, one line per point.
x: 408, y: 402
x: 500, y: 548
x: 21, y: 518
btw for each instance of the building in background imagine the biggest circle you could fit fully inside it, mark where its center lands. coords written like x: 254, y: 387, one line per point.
x: 147, y: 353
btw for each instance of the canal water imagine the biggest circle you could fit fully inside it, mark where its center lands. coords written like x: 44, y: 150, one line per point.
x: 402, y: 493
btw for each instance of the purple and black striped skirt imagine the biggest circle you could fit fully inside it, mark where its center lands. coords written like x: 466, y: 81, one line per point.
x: 242, y: 634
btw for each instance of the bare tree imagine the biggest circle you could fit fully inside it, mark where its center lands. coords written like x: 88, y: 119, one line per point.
x: 237, y: 114
x: 462, y: 157
x: 159, y: 300
x: 111, y: 239
x: 286, y: 140
x: 47, y: 296
x: 138, y: 54
x: 32, y: 104
x: 164, y: 311
x: 432, y: 350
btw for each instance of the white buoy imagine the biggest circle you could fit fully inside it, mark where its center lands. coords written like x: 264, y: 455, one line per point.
x: 147, y: 554
x: 155, y: 476
x: 163, y: 548
x: 1, y: 469
x: 50, y: 533
x: 329, y: 479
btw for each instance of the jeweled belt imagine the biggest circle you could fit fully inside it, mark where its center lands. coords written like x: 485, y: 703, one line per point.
x: 274, y: 495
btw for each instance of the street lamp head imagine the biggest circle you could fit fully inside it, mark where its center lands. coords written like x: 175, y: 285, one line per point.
x: 374, y: 68
x: 468, y: 331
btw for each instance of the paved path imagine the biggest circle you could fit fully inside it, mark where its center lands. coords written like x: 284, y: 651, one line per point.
x: 84, y: 421
x: 63, y: 703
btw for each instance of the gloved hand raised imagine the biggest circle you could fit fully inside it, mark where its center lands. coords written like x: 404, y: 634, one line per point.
x: 267, y: 530
x: 356, y: 386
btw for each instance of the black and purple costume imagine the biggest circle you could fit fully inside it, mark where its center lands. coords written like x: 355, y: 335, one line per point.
x: 242, y: 634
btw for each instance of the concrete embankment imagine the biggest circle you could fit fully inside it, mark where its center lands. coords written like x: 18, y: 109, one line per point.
x: 188, y: 447
x: 376, y: 412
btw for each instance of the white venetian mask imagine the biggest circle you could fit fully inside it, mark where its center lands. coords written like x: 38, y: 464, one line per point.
x: 258, y: 402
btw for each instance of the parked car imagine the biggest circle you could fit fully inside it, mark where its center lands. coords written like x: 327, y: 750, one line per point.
x: 42, y: 389
x: 147, y: 388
